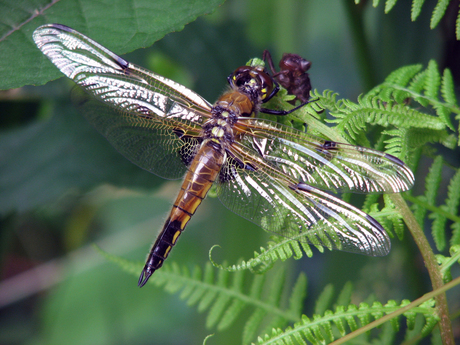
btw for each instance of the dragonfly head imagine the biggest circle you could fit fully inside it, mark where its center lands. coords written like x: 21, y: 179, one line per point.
x: 253, y: 81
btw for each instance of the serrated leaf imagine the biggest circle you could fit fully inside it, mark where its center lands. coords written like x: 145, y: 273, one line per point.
x: 324, y: 299
x: 344, y: 297
x: 389, y: 4
x: 416, y: 9
x: 217, y: 309
x: 448, y: 88
x: 250, y: 328
x: 123, y: 26
x: 438, y: 12
x: 230, y: 315
x: 457, y: 26
x: 433, y: 80
x: 299, y: 292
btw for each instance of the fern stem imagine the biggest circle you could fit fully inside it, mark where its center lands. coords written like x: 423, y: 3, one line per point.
x: 363, y: 55
x: 436, y: 293
x: 438, y: 210
x: 431, y: 265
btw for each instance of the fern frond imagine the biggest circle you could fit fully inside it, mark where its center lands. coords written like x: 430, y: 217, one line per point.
x: 353, y: 117
x: 424, y: 87
x: 398, y: 144
x: 328, y: 99
x: 438, y: 12
x: 321, y: 329
x: 224, y: 297
x: 433, y: 83
x: 417, y: 85
x: 279, y: 248
x: 388, y: 103
x: 420, y: 137
x: 402, y: 142
x: 402, y: 76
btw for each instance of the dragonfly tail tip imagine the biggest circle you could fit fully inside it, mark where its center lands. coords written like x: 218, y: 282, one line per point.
x: 145, y: 275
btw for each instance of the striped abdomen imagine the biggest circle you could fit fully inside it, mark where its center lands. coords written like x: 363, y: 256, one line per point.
x: 202, y: 172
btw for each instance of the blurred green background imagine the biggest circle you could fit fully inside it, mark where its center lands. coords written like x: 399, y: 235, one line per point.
x: 63, y: 187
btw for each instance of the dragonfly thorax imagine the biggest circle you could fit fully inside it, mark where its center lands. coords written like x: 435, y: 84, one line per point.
x: 233, y: 104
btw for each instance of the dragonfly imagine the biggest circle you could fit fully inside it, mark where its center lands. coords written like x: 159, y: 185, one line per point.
x: 269, y: 173
x: 293, y: 75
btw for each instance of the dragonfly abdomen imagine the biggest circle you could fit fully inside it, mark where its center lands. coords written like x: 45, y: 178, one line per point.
x: 200, y: 176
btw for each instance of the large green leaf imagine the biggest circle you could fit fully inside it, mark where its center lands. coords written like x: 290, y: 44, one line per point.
x: 42, y: 161
x: 120, y: 25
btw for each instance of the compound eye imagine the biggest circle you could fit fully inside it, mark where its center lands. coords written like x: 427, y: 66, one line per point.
x: 240, y: 80
x: 239, y: 77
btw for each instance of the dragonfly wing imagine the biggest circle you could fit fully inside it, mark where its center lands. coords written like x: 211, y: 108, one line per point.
x: 322, y: 163
x: 300, y: 212
x: 149, y: 119
x: 153, y: 147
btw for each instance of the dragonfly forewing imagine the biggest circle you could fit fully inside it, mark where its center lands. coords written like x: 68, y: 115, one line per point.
x: 322, y: 163
x: 151, y: 120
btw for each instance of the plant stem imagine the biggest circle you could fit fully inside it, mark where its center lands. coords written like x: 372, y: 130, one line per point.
x: 431, y: 265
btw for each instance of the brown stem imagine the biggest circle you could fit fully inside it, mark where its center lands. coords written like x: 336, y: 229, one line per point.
x: 431, y: 265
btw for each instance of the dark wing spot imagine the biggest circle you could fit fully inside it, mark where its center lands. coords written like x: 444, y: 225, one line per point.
x: 375, y: 224
x: 394, y: 159
x: 329, y: 144
x: 327, y: 148
x: 123, y: 64
x: 302, y: 186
